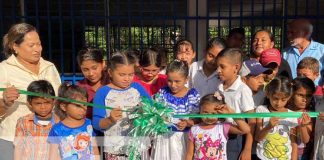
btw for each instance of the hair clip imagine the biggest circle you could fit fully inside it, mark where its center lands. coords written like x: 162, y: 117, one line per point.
x: 177, y: 60
x: 67, y: 84
x: 218, y: 96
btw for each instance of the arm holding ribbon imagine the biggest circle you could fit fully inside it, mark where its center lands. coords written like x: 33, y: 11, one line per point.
x: 9, y: 96
x: 261, y: 131
x: 241, y: 128
x: 115, y: 115
x: 305, y: 128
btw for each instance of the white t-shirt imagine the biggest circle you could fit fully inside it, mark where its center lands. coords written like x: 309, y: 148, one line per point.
x: 319, y: 133
x: 198, y: 80
x: 238, y: 96
x: 210, y: 143
x: 276, y: 144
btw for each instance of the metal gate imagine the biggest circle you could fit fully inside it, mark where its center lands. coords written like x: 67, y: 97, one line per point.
x: 65, y: 26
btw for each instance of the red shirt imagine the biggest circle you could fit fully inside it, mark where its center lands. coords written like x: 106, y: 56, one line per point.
x: 91, y: 93
x: 318, y: 91
x: 153, y: 88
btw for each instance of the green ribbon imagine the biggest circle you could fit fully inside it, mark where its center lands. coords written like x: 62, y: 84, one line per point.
x: 248, y: 115
x: 151, y: 118
x: 61, y: 98
x: 159, y: 106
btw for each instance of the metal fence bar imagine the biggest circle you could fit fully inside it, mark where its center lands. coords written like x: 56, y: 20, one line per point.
x: 241, y: 13
x: 73, y: 56
x: 49, y: 28
x: 207, y: 23
x: 61, y: 38
x: 1, y: 27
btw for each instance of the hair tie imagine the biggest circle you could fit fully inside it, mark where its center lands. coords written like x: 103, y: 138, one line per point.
x: 67, y: 84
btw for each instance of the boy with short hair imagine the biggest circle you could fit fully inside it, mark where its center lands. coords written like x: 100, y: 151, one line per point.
x: 32, y: 130
x: 237, y: 96
x: 309, y: 67
x: 252, y: 74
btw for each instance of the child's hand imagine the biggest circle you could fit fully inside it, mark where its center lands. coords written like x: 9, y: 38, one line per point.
x: 321, y: 116
x: 273, y: 122
x: 305, y: 119
x: 182, y: 124
x: 225, y: 109
x: 115, y: 115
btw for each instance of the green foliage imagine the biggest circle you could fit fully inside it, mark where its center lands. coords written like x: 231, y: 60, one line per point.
x: 141, y: 38
x: 249, y: 30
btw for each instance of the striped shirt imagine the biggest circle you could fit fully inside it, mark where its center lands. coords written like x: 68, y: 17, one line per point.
x: 31, y: 137
x: 180, y: 105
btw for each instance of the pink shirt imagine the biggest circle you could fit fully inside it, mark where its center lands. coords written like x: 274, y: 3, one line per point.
x: 318, y: 91
x: 153, y: 88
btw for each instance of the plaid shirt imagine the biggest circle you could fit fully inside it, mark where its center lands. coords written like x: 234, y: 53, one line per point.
x: 31, y: 137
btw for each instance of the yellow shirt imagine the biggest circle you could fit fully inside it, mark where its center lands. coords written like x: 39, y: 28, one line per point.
x: 13, y: 73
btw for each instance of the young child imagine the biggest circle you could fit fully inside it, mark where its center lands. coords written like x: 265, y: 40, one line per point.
x: 183, y: 101
x: 252, y: 74
x: 274, y: 135
x: 32, y: 130
x: 309, y: 67
x: 121, y: 94
x: 184, y: 51
x: 303, y: 90
x: 73, y: 137
x: 150, y: 64
x: 237, y: 95
x: 94, y: 71
x: 136, y: 53
x: 163, y: 52
x: 208, y: 139
x: 236, y: 38
x: 271, y: 58
x: 202, y: 74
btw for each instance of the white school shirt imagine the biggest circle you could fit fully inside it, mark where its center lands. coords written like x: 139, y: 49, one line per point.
x: 319, y: 133
x: 198, y: 80
x: 238, y: 96
x: 277, y: 143
x: 13, y: 73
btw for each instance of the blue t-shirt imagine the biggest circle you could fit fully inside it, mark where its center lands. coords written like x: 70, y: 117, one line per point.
x: 74, y: 143
x: 123, y: 98
x: 293, y: 57
x: 116, y: 136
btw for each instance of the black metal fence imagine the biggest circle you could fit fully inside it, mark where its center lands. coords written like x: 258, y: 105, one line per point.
x: 65, y: 26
